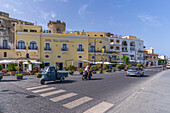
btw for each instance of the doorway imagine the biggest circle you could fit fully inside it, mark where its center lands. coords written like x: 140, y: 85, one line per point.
x: 59, y: 65
x: 80, y: 64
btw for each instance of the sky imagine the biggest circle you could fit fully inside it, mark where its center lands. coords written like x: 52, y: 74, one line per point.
x: 148, y: 20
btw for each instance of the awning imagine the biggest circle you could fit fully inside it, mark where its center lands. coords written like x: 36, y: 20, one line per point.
x: 86, y: 61
x: 34, y: 62
x: 8, y: 61
x: 102, y: 63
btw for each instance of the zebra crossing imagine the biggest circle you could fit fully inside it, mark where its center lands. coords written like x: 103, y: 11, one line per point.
x: 46, y: 91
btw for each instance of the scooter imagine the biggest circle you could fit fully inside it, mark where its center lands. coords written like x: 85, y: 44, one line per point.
x: 85, y: 75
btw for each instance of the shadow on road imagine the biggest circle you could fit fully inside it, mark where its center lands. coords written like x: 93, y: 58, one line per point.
x: 140, y: 76
x: 97, y: 79
x: 8, y: 80
x: 65, y: 82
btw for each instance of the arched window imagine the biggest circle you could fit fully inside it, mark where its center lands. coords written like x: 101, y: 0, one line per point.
x: 104, y: 47
x: 124, y: 43
x: 21, y: 44
x: 92, y: 48
x: 132, y: 43
x: 33, y: 45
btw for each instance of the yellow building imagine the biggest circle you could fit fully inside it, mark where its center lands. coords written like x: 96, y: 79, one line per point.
x: 60, y: 49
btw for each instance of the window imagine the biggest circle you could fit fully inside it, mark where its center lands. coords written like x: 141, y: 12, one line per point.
x: 58, y: 56
x: 5, y: 44
x: 80, y: 48
x: 101, y: 35
x: 95, y: 35
x: 21, y: 44
x: 33, y: 45
x: 33, y: 30
x: 132, y: 43
x: 111, y: 47
x: 47, y: 56
x: 47, y: 46
x: 111, y: 40
x: 27, y: 55
x: 117, y: 48
x: 92, y: 48
x: 93, y: 57
x: 124, y: 43
x: 5, y: 54
x: 80, y: 56
x: 25, y: 30
x: 104, y: 47
x: 117, y: 41
x: 47, y: 64
x: 64, y: 48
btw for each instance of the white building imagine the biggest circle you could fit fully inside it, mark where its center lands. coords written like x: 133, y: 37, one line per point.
x: 129, y: 46
x: 162, y: 57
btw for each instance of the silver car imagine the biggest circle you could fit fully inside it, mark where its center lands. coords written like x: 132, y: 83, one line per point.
x: 137, y: 71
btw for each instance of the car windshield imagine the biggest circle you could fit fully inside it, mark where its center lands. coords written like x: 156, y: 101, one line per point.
x: 134, y: 69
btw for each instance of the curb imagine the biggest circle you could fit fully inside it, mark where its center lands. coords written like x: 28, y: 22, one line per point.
x: 129, y: 100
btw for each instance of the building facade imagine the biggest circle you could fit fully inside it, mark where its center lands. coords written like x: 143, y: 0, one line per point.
x: 150, y: 58
x: 7, y: 25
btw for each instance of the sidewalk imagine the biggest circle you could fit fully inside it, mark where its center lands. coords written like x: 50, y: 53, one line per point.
x: 154, y: 98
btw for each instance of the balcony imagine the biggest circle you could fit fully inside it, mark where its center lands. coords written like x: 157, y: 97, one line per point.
x: 113, y: 43
x: 132, y: 48
x: 124, y: 50
x: 80, y: 50
x: 47, y: 49
x: 1, y: 47
x: 153, y: 59
x: 29, y: 48
x: 64, y: 50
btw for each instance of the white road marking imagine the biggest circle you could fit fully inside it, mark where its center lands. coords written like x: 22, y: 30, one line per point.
x: 42, y: 90
x: 36, y: 87
x: 52, y: 93
x: 100, y: 108
x: 62, y: 97
x: 77, y: 102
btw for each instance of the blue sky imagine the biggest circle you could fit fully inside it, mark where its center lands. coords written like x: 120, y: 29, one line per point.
x: 146, y: 19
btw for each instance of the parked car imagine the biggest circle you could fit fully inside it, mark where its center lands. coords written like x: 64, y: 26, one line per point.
x: 168, y: 66
x: 137, y: 71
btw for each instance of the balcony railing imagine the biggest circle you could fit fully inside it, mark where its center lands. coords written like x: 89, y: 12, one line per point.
x: 47, y: 49
x: 64, y: 49
x: 20, y: 47
x: 124, y: 44
x: 36, y: 48
x: 80, y: 50
x: 124, y: 50
x: 1, y: 47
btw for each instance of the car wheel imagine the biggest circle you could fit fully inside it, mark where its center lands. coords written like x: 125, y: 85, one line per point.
x: 62, y: 79
x: 42, y: 82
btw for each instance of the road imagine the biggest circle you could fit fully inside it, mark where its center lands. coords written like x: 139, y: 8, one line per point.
x: 102, y: 93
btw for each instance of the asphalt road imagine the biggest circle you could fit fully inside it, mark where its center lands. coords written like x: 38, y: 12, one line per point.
x: 103, y: 92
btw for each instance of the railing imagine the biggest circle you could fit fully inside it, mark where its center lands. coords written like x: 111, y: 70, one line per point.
x: 33, y: 48
x: 124, y: 44
x: 64, y: 49
x: 20, y: 47
x: 80, y: 50
x: 124, y: 50
x: 1, y: 47
x: 47, y: 49
x: 152, y: 59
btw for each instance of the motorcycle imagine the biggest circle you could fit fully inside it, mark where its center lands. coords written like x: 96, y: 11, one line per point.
x: 85, y: 75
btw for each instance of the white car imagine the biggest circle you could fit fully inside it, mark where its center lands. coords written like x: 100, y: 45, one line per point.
x: 136, y: 71
x: 168, y: 66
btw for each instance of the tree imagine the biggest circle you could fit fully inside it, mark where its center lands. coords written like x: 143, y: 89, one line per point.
x: 125, y: 59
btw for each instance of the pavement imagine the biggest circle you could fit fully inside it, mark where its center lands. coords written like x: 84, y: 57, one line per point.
x: 154, y: 97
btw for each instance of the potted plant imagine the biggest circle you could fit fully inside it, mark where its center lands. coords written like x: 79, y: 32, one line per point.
x: 109, y: 70
x: 71, y: 72
x: 81, y: 71
x: 94, y: 68
x: 11, y: 68
x: 118, y: 67
x: 1, y: 76
x: 138, y: 65
x: 70, y: 68
x: 106, y: 66
x: 39, y: 75
x: 19, y: 76
x: 113, y: 69
x: 101, y: 71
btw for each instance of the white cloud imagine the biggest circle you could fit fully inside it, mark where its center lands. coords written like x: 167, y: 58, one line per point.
x: 150, y: 20
x: 82, y: 9
x: 53, y: 15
